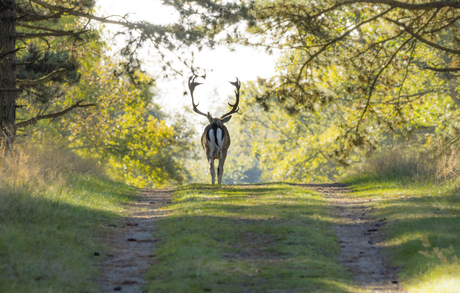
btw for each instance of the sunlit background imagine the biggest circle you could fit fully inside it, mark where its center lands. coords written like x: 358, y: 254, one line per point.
x: 222, y: 64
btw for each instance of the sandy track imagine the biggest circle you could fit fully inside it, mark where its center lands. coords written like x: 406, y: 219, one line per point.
x: 359, y: 240
x: 132, y: 244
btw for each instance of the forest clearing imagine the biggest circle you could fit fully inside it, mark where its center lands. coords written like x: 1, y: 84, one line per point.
x: 336, y: 126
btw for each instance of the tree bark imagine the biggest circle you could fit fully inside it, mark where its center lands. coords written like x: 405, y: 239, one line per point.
x: 8, y: 73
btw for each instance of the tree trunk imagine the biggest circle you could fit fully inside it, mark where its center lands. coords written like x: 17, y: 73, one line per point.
x: 8, y: 92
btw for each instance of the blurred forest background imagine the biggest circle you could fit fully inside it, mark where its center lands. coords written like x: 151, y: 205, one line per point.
x: 359, y: 85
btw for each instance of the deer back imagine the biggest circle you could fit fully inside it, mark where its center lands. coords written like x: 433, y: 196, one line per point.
x: 205, y: 137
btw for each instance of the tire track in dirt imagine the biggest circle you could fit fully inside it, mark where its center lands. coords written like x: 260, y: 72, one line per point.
x: 132, y: 244
x: 359, y: 239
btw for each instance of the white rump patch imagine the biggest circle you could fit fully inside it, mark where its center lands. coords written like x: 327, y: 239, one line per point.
x: 211, y: 135
x: 212, y: 143
x: 220, y: 138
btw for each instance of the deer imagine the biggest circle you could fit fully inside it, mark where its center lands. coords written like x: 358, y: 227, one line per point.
x: 216, y: 138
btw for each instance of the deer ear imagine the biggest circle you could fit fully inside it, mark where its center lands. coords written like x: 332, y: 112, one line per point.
x: 226, y: 119
x: 209, y: 117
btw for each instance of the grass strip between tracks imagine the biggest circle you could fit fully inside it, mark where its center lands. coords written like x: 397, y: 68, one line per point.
x: 247, y: 238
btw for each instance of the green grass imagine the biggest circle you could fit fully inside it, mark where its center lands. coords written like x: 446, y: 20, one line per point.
x: 47, y: 231
x: 247, y: 238
x: 423, y: 222
x: 239, y: 238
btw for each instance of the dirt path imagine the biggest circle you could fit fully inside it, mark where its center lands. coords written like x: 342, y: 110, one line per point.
x: 359, y: 239
x: 132, y: 244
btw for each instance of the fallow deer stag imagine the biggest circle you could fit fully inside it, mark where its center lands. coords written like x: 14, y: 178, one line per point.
x: 216, y: 139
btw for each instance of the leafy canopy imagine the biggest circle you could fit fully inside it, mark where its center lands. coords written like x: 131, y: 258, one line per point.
x: 384, y: 62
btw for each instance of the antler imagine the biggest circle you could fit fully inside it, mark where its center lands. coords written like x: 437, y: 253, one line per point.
x: 192, y: 85
x: 235, y: 108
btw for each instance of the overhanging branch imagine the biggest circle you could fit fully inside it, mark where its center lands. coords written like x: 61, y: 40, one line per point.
x: 74, y: 12
x: 44, y: 28
x: 425, y: 41
x: 53, y: 34
x: 38, y: 17
x: 10, y: 52
x: 372, y: 87
x: 395, y: 101
x: 28, y: 82
x: 34, y: 120
x: 453, y: 69
x: 338, y: 39
x: 5, y: 90
x: 394, y: 4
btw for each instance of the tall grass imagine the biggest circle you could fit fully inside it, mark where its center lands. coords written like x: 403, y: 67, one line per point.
x: 30, y: 168
x: 448, y: 166
x: 52, y: 204
x: 404, y: 163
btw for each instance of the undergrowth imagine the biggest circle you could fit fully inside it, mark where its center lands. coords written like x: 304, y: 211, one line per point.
x: 52, y: 204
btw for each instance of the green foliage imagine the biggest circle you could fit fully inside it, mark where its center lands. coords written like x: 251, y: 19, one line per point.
x: 247, y: 237
x: 388, y: 69
x: 126, y: 130
x: 273, y: 146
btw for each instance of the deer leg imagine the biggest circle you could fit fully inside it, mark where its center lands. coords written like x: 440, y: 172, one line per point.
x: 220, y: 168
x: 211, y: 169
x: 211, y: 165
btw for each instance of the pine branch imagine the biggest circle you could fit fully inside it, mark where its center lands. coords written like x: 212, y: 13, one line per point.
x: 70, y: 11
x: 5, y: 90
x: 10, y: 52
x: 74, y: 12
x: 38, y: 17
x: 38, y: 27
x: 34, y: 120
x: 394, y: 4
x: 28, y: 82
x: 53, y: 34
